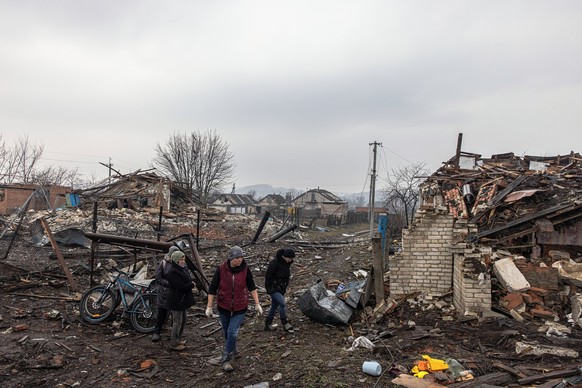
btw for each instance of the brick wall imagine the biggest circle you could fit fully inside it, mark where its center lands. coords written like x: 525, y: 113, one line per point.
x: 435, y: 259
x: 13, y: 197
x: 426, y: 262
x: 471, y: 279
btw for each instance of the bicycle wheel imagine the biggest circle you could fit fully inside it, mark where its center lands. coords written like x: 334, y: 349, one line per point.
x: 144, y: 313
x: 97, y: 304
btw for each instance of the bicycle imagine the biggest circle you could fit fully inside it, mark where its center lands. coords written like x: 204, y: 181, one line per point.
x: 99, y: 302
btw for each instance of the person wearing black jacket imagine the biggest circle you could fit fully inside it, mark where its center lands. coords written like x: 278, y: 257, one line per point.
x: 276, y: 282
x: 179, y: 297
x: 162, y: 292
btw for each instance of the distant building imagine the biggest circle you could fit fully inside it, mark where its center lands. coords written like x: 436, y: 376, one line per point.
x: 322, y: 205
x: 234, y: 203
x: 273, y: 203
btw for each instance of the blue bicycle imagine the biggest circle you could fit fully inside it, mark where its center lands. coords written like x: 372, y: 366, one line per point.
x: 99, y: 302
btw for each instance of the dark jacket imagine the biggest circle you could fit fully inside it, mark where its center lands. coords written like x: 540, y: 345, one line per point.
x: 180, y: 287
x: 162, y: 283
x: 231, y: 287
x: 277, y: 276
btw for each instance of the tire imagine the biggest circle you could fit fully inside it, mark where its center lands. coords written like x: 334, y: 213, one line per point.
x: 98, y: 304
x: 143, y: 319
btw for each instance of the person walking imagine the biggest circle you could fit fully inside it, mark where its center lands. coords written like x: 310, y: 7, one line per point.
x: 179, y: 297
x: 230, y: 286
x: 276, y: 283
x: 162, y: 292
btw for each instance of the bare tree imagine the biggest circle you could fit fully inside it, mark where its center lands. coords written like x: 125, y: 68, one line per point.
x: 252, y: 193
x: 401, y: 190
x: 200, y: 162
x: 29, y: 154
x: 57, y: 175
x: 18, y: 163
x: 4, y: 158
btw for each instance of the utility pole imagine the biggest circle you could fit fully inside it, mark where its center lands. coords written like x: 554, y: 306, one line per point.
x: 373, y: 189
x: 110, y: 168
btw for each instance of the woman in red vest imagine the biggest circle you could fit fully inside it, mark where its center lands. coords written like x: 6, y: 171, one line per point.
x: 230, y: 285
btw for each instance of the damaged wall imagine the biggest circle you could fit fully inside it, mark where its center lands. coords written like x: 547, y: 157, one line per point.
x: 435, y: 259
x: 471, y: 278
x: 12, y: 197
x: 426, y: 261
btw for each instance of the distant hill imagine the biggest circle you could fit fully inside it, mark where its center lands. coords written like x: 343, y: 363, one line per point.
x: 263, y: 190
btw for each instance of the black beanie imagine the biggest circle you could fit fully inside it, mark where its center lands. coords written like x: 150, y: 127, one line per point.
x: 285, y: 252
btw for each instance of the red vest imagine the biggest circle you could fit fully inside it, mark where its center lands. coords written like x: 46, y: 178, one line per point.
x: 233, y: 294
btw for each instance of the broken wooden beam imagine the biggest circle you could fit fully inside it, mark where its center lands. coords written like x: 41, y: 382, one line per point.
x: 548, y: 376
x: 56, y: 249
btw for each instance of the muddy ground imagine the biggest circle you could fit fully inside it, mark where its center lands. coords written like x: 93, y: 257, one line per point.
x: 45, y: 343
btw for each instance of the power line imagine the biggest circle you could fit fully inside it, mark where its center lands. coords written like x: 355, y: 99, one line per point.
x: 71, y: 161
x: 67, y: 153
x: 400, y: 156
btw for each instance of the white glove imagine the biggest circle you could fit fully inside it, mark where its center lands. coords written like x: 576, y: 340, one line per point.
x: 209, y: 312
x: 259, y: 309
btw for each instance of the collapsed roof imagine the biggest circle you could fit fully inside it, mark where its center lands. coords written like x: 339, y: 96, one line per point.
x: 138, y: 189
x: 529, y: 204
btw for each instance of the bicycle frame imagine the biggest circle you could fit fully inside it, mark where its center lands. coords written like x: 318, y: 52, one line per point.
x: 137, y: 292
x: 141, y: 309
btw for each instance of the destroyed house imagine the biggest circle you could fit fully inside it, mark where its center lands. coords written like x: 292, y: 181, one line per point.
x: 136, y: 191
x: 320, y: 204
x: 234, y: 203
x: 13, y: 197
x: 476, y: 211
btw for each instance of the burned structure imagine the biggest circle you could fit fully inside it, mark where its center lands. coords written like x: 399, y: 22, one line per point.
x: 476, y: 211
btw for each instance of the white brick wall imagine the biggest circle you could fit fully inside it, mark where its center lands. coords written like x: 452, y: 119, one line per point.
x: 435, y: 259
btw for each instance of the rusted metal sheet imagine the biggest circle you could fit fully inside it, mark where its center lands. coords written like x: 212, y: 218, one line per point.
x: 517, y: 195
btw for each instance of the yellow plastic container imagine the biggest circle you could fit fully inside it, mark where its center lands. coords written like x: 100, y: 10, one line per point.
x: 434, y: 364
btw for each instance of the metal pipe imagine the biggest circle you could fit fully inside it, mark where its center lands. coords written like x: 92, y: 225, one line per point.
x: 261, y: 226
x: 282, y: 233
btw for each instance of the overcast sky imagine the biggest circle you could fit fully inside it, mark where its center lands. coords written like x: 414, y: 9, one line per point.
x: 298, y: 89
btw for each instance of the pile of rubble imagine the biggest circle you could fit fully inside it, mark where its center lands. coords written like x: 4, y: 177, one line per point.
x: 528, y: 205
x: 525, y: 213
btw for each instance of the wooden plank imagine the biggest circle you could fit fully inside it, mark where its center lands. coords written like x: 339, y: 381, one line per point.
x: 528, y: 218
x: 548, y: 376
x: 503, y: 193
x: 378, y: 269
x: 72, y: 282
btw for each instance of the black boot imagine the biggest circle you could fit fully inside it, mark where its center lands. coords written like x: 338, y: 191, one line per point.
x: 269, y: 325
x: 286, y: 325
x: 225, y: 362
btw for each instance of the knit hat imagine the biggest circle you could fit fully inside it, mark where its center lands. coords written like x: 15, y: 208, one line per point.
x: 173, y: 249
x: 176, y: 256
x: 289, y: 253
x: 285, y: 252
x: 235, y: 252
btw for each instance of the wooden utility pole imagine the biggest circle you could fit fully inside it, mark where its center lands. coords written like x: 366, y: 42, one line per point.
x: 373, y: 189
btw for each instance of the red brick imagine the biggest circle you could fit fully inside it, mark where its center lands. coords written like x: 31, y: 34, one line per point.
x: 543, y: 313
x: 512, y: 301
